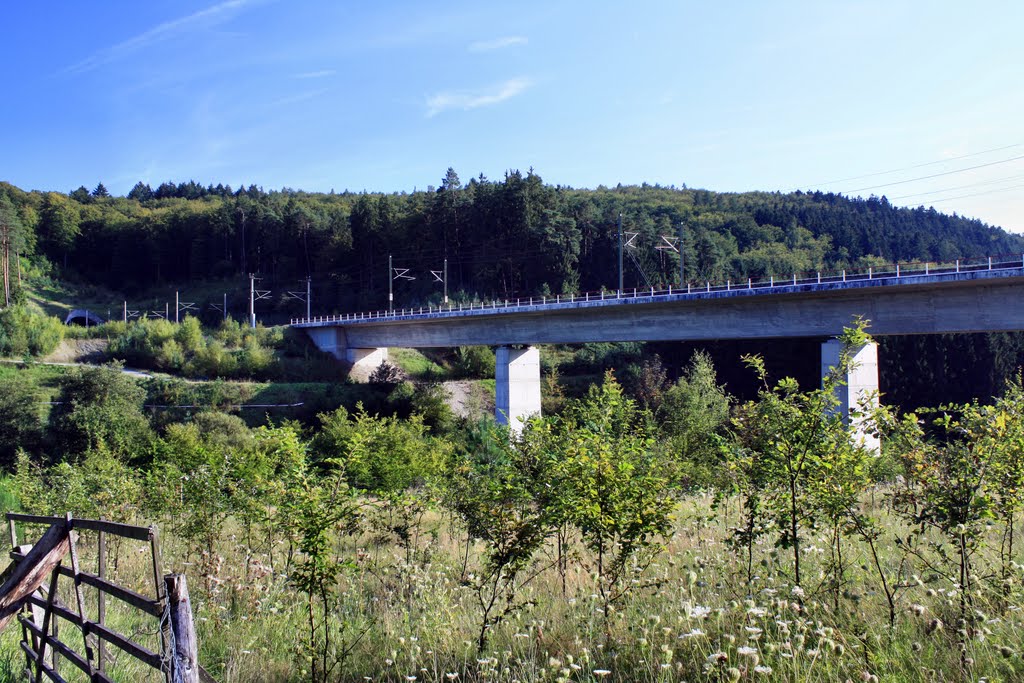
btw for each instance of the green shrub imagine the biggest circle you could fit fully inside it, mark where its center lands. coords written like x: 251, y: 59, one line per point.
x: 24, y: 333
x: 253, y: 359
x: 230, y: 333
x: 190, y: 335
x: 475, y: 362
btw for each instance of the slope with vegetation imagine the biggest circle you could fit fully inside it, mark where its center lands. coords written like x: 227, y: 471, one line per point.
x: 513, y: 237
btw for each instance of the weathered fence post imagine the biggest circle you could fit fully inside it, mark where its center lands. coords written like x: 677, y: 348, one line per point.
x: 185, y: 655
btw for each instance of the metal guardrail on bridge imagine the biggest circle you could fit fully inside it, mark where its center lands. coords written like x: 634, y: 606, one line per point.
x: 897, y: 273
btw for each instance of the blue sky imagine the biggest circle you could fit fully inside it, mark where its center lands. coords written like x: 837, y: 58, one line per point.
x: 856, y: 97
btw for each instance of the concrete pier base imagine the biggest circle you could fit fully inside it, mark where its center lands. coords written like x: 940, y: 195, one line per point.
x: 861, y: 389
x: 517, y: 389
x: 364, y: 362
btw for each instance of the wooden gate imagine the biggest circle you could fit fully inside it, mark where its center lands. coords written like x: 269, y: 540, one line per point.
x: 69, y: 621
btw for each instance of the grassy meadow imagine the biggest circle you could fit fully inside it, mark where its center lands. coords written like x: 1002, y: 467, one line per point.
x: 408, y: 611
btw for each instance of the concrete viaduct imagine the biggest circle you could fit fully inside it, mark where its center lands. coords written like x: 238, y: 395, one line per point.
x: 984, y: 295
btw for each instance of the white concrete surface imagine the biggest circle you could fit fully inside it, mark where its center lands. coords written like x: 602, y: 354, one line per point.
x: 860, y: 392
x: 364, y: 362
x: 517, y: 389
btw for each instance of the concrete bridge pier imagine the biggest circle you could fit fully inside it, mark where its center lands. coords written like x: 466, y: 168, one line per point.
x: 333, y: 340
x: 517, y: 386
x: 860, y: 391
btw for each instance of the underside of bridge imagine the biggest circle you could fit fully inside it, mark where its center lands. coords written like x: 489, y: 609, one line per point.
x: 958, y: 302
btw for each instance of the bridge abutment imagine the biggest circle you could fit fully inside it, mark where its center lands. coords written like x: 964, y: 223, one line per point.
x: 365, y: 361
x: 860, y: 391
x: 517, y: 386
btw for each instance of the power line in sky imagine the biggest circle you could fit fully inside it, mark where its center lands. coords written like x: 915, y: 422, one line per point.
x: 929, y: 163
x: 978, y: 194
x: 959, y: 187
x: 936, y: 175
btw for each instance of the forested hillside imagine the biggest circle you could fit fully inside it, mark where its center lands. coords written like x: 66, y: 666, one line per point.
x: 517, y: 236
x: 514, y: 237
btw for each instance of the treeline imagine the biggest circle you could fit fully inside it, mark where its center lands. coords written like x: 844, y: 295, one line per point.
x: 517, y: 236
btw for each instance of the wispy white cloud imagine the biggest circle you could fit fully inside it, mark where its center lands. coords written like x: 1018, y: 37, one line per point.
x: 211, y: 16
x: 323, y: 73
x: 497, y: 43
x: 466, y: 100
x: 298, y: 97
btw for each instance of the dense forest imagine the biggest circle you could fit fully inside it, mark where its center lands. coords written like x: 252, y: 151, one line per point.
x: 513, y: 237
x: 517, y: 236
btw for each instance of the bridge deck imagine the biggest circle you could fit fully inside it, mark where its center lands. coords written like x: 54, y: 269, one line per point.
x: 957, y: 279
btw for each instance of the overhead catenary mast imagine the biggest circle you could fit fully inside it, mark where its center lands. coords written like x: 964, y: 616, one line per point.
x: 620, y: 256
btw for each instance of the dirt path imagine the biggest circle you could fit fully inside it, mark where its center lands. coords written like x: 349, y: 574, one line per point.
x: 79, y: 351
x: 468, y: 399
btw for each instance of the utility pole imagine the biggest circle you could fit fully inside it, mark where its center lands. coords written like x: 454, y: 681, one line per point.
x: 177, y: 305
x: 391, y: 288
x: 126, y: 311
x: 446, y: 280
x: 309, y: 297
x: 682, y: 256
x: 225, y: 305
x: 252, y: 301
x: 167, y: 310
x: 620, y: 256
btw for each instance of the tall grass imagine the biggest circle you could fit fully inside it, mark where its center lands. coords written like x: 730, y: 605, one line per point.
x: 694, y: 619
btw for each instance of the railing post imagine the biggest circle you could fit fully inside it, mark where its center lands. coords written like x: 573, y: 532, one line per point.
x: 750, y: 283
x: 844, y: 275
x: 958, y: 265
x: 925, y: 267
x: 990, y: 263
x: 897, y: 270
x: 771, y: 280
x: 869, y: 272
x: 794, y: 279
x: 819, y: 277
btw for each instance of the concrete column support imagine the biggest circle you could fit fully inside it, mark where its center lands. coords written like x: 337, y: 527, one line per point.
x: 364, y: 362
x: 517, y: 390
x: 329, y: 340
x: 861, y: 388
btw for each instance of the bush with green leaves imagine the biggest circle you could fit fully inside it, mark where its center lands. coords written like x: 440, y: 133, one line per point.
x: 502, y: 495
x: 380, y: 455
x: 795, y: 460
x: 968, y: 476
x: 231, y: 352
x: 100, y: 406
x: 313, y: 515
x: 99, y: 484
x: 475, y: 362
x: 693, y: 413
x: 612, y: 484
x: 24, y: 333
x: 21, y: 424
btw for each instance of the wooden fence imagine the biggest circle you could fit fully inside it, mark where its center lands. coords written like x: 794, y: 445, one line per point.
x: 50, y: 625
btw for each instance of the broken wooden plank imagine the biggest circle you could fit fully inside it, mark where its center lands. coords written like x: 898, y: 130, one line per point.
x: 32, y: 571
